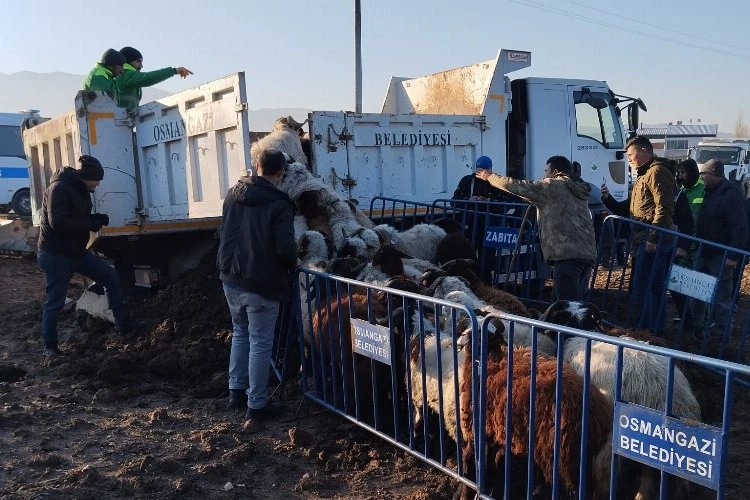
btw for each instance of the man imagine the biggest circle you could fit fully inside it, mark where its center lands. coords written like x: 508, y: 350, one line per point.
x: 690, y: 194
x: 65, y: 225
x: 257, y: 253
x: 566, y: 231
x: 130, y: 82
x: 722, y: 220
x: 651, y: 202
x: 102, y: 77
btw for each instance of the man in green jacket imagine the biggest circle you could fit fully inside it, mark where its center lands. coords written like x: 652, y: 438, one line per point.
x: 132, y: 79
x: 102, y: 77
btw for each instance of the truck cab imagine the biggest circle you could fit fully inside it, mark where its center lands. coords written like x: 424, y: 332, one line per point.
x: 734, y: 153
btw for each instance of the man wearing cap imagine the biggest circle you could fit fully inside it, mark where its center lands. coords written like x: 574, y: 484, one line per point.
x: 257, y: 253
x: 130, y: 82
x: 102, y: 77
x: 722, y: 220
x: 566, y: 230
x: 66, y: 222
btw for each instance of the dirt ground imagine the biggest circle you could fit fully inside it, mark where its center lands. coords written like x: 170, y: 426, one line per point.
x: 147, y: 418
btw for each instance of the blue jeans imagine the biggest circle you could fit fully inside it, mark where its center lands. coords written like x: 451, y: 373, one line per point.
x: 253, y: 322
x: 58, y: 271
x: 648, y: 288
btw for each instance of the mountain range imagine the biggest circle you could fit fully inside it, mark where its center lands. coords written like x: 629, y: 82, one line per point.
x: 53, y: 93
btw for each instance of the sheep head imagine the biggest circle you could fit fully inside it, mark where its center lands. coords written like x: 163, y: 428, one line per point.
x: 390, y: 260
x: 448, y: 224
x: 581, y: 315
x: 347, y: 267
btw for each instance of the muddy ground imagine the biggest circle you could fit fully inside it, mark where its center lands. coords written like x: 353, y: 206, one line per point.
x: 147, y: 417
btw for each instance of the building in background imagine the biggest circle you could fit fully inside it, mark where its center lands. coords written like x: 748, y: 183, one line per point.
x: 675, y: 140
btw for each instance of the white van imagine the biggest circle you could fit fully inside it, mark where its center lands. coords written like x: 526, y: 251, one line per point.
x: 14, y: 171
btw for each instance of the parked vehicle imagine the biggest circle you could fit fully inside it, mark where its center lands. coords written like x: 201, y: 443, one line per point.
x: 734, y: 153
x: 14, y: 172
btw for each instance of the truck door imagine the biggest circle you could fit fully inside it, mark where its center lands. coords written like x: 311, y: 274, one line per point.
x: 596, y: 137
x: 192, y: 147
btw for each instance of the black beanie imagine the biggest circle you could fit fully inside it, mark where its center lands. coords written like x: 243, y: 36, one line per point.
x: 111, y: 57
x: 130, y: 54
x: 91, y: 169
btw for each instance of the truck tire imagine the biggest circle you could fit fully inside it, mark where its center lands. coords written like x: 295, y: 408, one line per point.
x: 21, y: 202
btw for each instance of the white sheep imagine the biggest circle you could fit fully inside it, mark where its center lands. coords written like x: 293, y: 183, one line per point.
x: 420, y: 241
x: 285, y: 137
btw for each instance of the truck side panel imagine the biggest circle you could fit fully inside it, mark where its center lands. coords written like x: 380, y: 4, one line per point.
x: 96, y: 127
x: 413, y: 157
x: 192, y: 147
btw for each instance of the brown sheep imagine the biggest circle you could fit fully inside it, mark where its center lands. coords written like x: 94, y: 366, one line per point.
x: 495, y: 297
x: 599, y: 425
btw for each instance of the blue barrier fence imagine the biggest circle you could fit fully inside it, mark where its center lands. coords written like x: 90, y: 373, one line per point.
x: 685, y: 290
x: 435, y: 380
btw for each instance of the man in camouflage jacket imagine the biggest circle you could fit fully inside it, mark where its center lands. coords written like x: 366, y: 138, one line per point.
x: 566, y: 230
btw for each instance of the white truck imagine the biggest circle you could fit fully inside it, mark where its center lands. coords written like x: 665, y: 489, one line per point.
x: 167, y: 170
x: 734, y: 153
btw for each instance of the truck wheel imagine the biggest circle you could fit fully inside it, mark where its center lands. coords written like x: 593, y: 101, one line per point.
x: 21, y: 202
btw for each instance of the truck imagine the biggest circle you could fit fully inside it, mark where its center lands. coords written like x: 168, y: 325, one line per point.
x: 734, y: 153
x: 168, y: 167
x: 14, y: 174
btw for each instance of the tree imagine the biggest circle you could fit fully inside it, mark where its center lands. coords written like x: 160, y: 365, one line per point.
x: 741, y: 129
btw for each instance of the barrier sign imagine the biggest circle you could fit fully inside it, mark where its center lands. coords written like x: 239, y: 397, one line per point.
x: 692, y: 283
x: 691, y: 451
x: 373, y: 341
x: 500, y: 237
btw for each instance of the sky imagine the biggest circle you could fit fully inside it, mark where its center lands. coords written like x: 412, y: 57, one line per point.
x: 686, y: 59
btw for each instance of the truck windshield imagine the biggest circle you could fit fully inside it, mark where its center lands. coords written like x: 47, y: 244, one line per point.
x: 10, y: 141
x: 596, y: 119
x: 727, y: 155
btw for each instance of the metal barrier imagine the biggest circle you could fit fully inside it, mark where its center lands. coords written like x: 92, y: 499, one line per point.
x: 414, y: 370
x: 504, y: 233
x: 641, y: 289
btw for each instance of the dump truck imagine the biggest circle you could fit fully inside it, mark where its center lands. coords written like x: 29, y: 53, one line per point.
x: 168, y: 167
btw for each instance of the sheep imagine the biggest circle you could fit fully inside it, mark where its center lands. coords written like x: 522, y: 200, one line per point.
x: 600, y: 414
x: 420, y: 241
x: 456, y: 289
x: 333, y: 352
x: 497, y: 298
x: 455, y: 245
x: 644, y: 375
x: 285, y: 137
x: 309, y: 205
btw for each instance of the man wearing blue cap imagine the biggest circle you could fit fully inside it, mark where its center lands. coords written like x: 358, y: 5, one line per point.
x: 472, y: 188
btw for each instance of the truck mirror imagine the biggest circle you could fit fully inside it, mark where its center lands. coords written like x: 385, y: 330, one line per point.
x: 632, y: 117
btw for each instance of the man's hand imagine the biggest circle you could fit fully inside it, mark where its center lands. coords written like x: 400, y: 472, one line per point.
x: 483, y: 174
x: 183, y: 72
x: 605, y: 191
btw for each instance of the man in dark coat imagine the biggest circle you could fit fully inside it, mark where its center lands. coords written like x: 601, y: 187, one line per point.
x: 66, y: 222
x: 257, y: 253
x: 722, y: 220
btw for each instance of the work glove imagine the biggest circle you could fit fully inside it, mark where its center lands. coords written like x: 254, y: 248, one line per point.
x: 97, y: 221
x: 183, y: 72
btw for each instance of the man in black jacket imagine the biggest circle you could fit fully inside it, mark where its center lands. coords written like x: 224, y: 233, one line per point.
x: 65, y: 225
x: 257, y: 253
x: 721, y: 220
